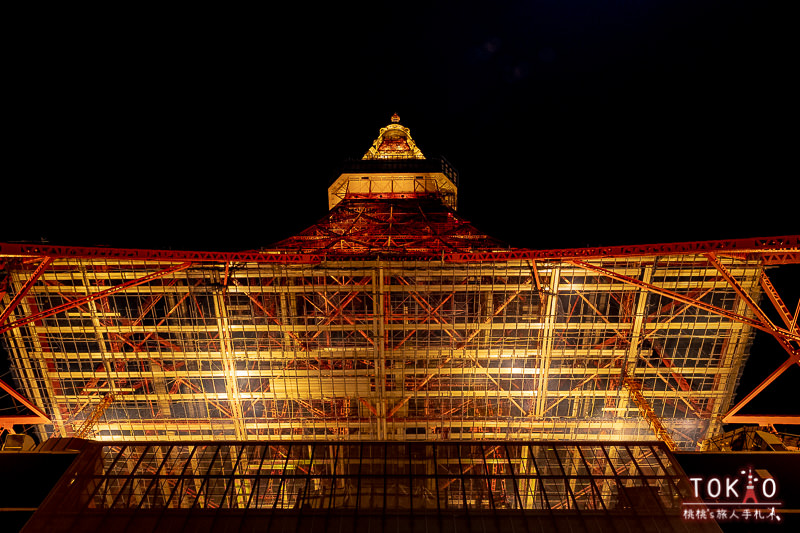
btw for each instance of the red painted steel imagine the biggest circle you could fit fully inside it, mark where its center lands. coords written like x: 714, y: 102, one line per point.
x: 409, y: 227
x: 782, y: 258
x: 423, y: 229
x: 772, y: 250
x: 779, y: 333
x: 412, y: 227
x: 25, y: 288
x: 777, y: 302
x: 102, y: 294
x: 731, y: 416
x: 734, y: 284
x: 38, y: 416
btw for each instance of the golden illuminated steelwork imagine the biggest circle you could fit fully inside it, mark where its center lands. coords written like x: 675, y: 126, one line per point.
x: 394, y: 168
x: 391, y: 319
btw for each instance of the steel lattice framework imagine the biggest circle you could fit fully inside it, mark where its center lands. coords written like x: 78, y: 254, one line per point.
x: 341, y: 486
x: 392, y: 318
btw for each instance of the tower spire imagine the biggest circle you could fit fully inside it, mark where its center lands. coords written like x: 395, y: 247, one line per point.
x: 395, y: 169
x: 394, y: 142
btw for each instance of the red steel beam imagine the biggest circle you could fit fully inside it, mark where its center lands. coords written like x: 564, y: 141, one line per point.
x: 268, y: 313
x: 161, y: 322
x: 389, y: 195
x: 369, y: 406
x: 50, y: 365
x: 4, y: 280
x: 25, y: 288
x: 92, y: 383
x: 731, y: 415
x: 758, y: 247
x: 149, y: 303
x: 775, y: 250
x: 781, y: 335
x: 535, y: 271
x: 134, y: 254
x: 781, y: 258
x: 433, y: 313
x: 645, y: 334
x: 649, y: 332
x: 776, y: 300
x: 734, y: 283
x: 696, y: 294
x: 793, y: 325
x: 455, y: 476
x: 339, y: 310
x: 794, y: 357
x: 38, y: 417
x: 764, y: 420
x: 497, y: 311
x: 683, y: 383
x: 461, y: 345
x: 696, y: 303
x: 91, y: 297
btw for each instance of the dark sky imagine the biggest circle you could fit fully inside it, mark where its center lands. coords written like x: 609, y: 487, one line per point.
x: 571, y: 123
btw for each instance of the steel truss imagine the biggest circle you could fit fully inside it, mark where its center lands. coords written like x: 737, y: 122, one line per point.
x: 161, y: 486
x: 392, y: 318
x: 782, y: 250
x: 363, y: 347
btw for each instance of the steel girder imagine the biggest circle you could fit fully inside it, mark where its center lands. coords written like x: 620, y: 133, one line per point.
x: 430, y: 349
x: 7, y: 422
x: 770, y: 250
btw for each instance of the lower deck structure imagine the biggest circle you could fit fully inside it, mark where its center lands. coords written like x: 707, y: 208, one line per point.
x: 369, y: 486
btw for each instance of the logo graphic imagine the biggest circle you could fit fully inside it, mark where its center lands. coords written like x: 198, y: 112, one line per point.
x: 748, y: 496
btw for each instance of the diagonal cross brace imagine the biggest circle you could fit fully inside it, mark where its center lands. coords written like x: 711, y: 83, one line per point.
x: 91, y: 297
x: 25, y: 288
x: 758, y: 324
x: 37, y: 418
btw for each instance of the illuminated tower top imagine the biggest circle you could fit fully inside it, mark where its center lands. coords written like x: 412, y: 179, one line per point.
x: 394, y: 142
x: 394, y: 168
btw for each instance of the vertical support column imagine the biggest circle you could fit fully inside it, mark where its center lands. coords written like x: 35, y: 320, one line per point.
x: 727, y: 371
x: 636, y: 334
x: 611, y: 480
x: 25, y: 362
x: 27, y: 382
x: 488, y: 298
x: 571, y: 454
x: 430, y: 470
x: 157, y: 371
x: 97, y: 309
x: 136, y: 484
x: 161, y: 494
x: 286, y: 299
x: 379, y: 334
x: 240, y: 486
x: 108, y: 359
x: 548, y: 331
x: 229, y: 362
x: 195, y: 478
x: 526, y: 486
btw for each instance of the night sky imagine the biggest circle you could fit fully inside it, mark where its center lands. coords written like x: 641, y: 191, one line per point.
x: 571, y: 123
